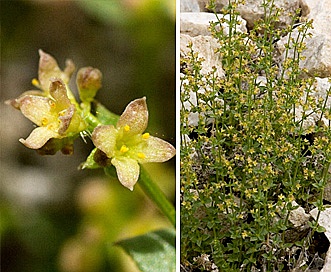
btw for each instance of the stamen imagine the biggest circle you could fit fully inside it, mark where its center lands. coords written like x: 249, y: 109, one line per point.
x: 127, y: 128
x: 146, y: 135
x: 44, y: 121
x: 141, y: 155
x: 124, y: 149
x: 35, y: 82
x: 62, y: 113
x: 52, y: 104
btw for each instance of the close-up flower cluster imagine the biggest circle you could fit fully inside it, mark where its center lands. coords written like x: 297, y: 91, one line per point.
x: 60, y: 119
x: 53, y: 109
x: 88, y: 136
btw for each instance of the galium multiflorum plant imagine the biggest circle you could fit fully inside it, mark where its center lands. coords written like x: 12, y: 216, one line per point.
x: 255, y: 145
x: 121, y: 143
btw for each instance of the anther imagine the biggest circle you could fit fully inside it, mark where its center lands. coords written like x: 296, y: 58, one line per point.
x: 124, y: 149
x: 141, y: 155
x: 35, y: 82
x: 44, y: 121
x: 51, y: 103
x: 146, y: 135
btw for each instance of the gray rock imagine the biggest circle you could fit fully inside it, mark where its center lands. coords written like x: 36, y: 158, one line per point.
x: 318, y: 53
x: 205, y: 46
x: 197, y: 23
x: 189, y: 6
x: 252, y: 10
x: 322, y: 87
x: 298, y: 217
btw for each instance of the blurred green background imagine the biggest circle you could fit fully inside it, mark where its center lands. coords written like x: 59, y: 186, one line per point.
x: 55, y: 217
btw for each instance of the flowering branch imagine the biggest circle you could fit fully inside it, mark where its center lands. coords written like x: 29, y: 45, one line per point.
x: 121, y: 141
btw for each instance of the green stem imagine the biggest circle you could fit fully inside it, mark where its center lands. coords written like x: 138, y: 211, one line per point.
x: 154, y: 193
x: 92, y: 121
x: 146, y: 183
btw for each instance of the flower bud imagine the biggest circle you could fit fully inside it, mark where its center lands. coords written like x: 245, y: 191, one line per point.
x: 88, y: 83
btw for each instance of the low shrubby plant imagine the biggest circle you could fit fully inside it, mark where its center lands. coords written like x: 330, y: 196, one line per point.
x: 255, y: 146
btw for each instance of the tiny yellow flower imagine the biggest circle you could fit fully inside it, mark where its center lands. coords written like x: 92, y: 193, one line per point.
x: 55, y: 116
x: 244, y: 234
x: 127, y: 146
x: 281, y: 197
x: 48, y: 68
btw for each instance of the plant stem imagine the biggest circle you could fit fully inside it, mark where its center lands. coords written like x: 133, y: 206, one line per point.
x: 145, y: 181
x: 154, y: 193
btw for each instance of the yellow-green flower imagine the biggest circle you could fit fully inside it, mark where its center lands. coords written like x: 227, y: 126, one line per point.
x: 55, y: 116
x: 48, y: 68
x: 127, y: 145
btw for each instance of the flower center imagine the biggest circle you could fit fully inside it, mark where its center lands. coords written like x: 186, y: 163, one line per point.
x: 132, y: 145
x: 124, y: 149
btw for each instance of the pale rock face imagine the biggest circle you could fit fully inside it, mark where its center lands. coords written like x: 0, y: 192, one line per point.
x: 205, y: 46
x: 189, y: 6
x: 318, y: 53
x: 322, y: 87
x: 298, y: 217
x: 252, y: 10
x: 197, y: 23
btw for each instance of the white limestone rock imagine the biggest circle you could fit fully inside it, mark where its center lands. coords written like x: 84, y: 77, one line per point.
x: 252, y: 10
x: 322, y: 87
x: 318, y: 53
x: 205, y: 46
x: 189, y: 6
x: 298, y: 217
x: 197, y: 23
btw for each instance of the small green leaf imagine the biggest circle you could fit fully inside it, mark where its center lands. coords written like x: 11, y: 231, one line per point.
x: 320, y: 229
x: 153, y: 251
x: 104, y: 115
x: 90, y: 162
x: 251, y: 250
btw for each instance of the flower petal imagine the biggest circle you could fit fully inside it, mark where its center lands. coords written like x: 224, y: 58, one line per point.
x: 135, y: 116
x: 104, y: 138
x: 38, y: 109
x: 16, y: 102
x: 58, y: 91
x: 157, y: 150
x: 39, y: 137
x: 48, y: 68
x: 127, y: 171
x: 66, y: 118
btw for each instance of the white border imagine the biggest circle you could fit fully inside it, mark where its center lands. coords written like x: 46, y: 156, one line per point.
x: 177, y: 135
